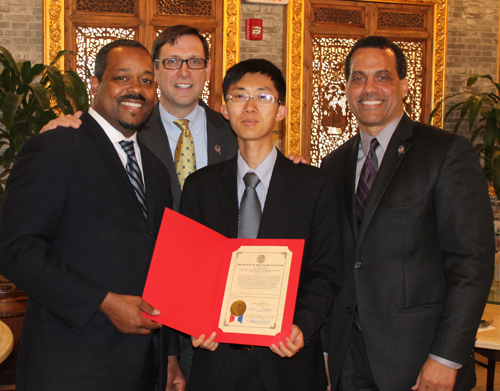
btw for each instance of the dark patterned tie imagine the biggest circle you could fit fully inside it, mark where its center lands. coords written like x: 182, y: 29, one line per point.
x: 250, y: 211
x: 366, y: 179
x: 134, y: 174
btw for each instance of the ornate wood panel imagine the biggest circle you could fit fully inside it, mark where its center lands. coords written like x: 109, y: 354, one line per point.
x: 87, y: 25
x: 319, y: 119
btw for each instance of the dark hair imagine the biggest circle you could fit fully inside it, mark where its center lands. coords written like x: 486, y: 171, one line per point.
x: 255, y: 65
x: 377, y: 42
x: 172, y: 34
x: 101, y: 60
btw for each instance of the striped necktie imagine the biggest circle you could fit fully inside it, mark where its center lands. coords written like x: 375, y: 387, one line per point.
x: 134, y: 174
x: 366, y: 179
x: 250, y: 210
x: 185, y: 159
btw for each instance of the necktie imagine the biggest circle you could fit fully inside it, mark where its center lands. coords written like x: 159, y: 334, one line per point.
x: 366, y: 179
x: 134, y: 174
x: 185, y: 159
x: 250, y: 211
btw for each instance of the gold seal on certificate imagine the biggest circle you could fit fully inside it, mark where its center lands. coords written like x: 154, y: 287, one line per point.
x: 238, y: 308
x: 256, y: 288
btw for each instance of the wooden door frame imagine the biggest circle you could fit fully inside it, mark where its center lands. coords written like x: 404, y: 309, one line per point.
x: 292, y: 137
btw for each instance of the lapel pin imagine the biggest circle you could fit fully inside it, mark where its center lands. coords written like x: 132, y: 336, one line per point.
x: 401, y: 150
x: 217, y: 149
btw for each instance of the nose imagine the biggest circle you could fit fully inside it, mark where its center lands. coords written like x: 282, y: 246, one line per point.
x: 184, y: 70
x: 370, y: 85
x: 250, y: 106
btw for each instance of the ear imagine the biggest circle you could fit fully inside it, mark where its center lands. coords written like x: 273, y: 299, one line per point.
x: 223, y: 110
x: 282, y: 112
x: 404, y: 87
x: 208, y: 69
x: 94, y: 85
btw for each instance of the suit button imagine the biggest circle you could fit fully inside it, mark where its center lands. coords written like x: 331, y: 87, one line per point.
x: 349, y: 310
x: 357, y: 265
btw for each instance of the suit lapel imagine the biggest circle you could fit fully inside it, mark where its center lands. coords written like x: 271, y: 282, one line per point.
x: 155, y: 138
x: 217, y: 142
x: 228, y: 196
x: 149, y: 182
x: 349, y: 184
x: 278, y: 188
x: 108, y: 153
x: 392, y: 159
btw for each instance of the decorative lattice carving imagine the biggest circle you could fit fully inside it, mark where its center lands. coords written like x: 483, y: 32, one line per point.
x: 401, y: 19
x: 89, y: 41
x: 338, y: 16
x: 185, y: 7
x: 121, y: 6
x: 332, y: 122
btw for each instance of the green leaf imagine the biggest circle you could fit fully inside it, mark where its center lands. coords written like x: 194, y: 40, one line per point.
x: 57, y: 87
x: 9, y: 109
x: 60, y: 54
x: 472, y: 80
x: 77, y: 90
x: 36, y: 70
x: 8, y: 157
x: 490, y: 133
x: 8, y: 61
x: 42, y: 95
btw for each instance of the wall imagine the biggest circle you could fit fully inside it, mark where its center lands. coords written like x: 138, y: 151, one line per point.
x: 472, y: 46
x: 271, y: 45
x: 21, y: 28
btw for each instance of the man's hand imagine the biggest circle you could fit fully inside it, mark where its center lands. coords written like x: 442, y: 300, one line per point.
x: 125, y: 314
x: 294, y: 158
x: 67, y: 121
x: 209, y: 344
x: 435, y: 376
x: 175, y: 378
x: 293, y: 344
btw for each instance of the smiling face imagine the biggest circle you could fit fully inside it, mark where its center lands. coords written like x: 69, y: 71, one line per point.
x: 181, y: 88
x: 252, y: 122
x: 374, y: 91
x: 125, y: 95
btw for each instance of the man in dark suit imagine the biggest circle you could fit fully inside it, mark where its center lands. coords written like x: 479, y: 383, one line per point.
x: 78, y: 224
x: 417, y: 240
x: 294, y: 201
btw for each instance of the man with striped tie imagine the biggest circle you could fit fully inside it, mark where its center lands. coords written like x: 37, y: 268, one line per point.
x: 78, y: 224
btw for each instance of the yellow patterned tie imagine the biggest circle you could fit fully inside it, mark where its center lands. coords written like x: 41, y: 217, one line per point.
x: 185, y: 159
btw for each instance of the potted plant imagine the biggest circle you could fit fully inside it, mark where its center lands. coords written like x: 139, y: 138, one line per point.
x: 31, y: 96
x: 482, y: 111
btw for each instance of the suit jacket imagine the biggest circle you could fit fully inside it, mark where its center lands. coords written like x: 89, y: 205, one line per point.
x: 71, y: 229
x: 298, y: 206
x: 221, y: 143
x: 420, y: 265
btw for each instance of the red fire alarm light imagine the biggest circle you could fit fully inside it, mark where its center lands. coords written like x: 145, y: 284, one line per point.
x: 254, y: 29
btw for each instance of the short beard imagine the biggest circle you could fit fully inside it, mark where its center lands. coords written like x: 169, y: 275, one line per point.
x: 127, y: 125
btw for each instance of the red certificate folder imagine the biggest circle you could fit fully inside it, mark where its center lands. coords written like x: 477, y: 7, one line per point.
x: 187, y: 279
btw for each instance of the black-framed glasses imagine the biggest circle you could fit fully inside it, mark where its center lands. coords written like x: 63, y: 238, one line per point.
x: 261, y: 99
x: 176, y: 63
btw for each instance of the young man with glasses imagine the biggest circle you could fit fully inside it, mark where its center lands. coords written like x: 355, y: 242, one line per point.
x: 290, y: 202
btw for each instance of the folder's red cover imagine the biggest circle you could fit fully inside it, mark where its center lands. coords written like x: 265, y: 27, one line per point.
x: 188, y: 274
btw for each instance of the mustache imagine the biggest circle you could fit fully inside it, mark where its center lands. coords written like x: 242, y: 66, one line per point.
x: 132, y: 96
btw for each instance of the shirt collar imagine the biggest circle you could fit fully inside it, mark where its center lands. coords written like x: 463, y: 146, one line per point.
x: 168, y: 118
x: 383, y: 137
x: 114, y: 135
x: 264, y: 170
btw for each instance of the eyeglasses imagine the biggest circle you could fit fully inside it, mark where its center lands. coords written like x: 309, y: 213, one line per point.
x: 261, y: 99
x: 176, y: 63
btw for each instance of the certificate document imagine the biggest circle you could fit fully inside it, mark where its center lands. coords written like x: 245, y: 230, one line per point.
x: 256, y: 288
x: 244, y: 289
